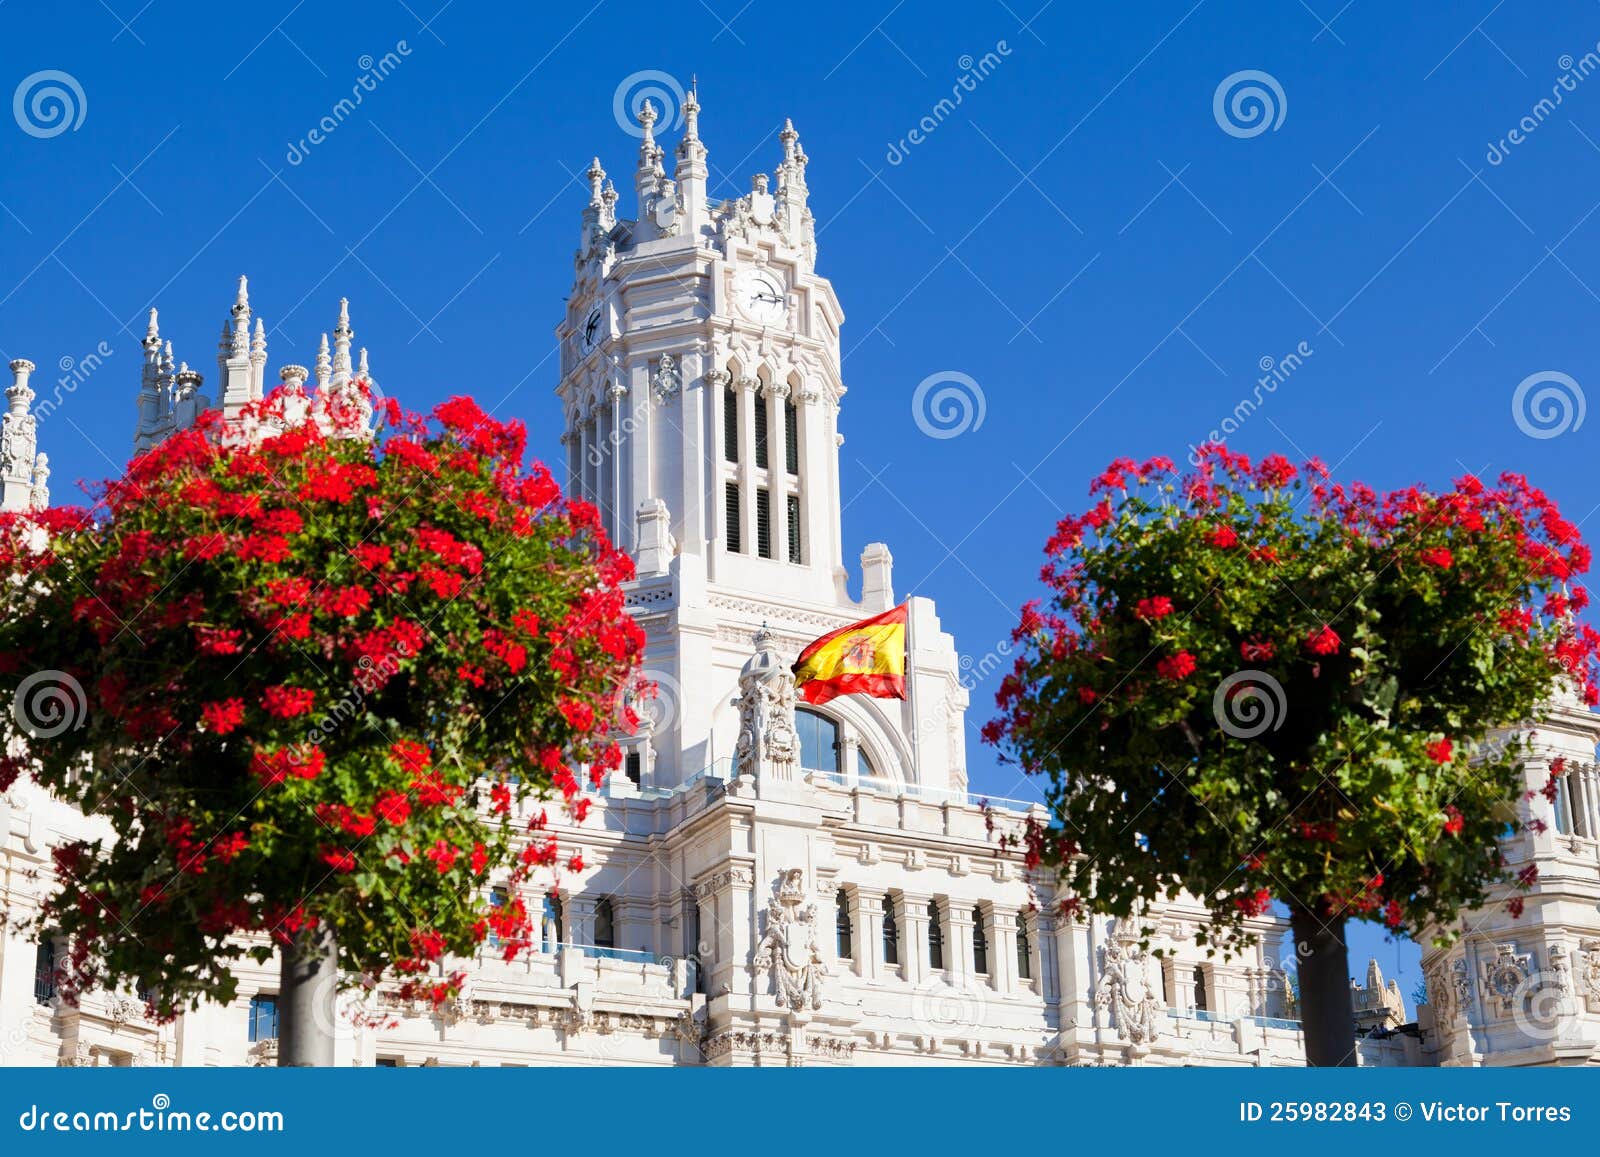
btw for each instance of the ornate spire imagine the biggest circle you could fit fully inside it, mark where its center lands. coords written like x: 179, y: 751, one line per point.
x: 324, y: 364
x: 17, y: 441
x: 241, y: 321
x: 597, y: 177
x: 258, y: 344
x: 342, y: 335
x: 362, y: 371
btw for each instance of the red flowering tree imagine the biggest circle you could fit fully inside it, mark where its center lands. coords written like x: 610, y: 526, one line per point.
x: 319, y: 684
x: 1253, y: 684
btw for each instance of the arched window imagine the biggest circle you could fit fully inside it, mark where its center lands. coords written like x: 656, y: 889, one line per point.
x: 935, y: 936
x: 1202, y: 1000
x: 791, y: 437
x: 819, y: 742
x: 980, y: 943
x: 550, y: 924
x: 842, y: 925
x: 891, y: 933
x: 605, y: 924
x: 1024, y: 948
x: 760, y: 401
x: 730, y: 424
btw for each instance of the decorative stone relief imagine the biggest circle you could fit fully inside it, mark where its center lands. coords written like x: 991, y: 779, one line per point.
x: 668, y: 380
x: 1127, y: 990
x: 1589, y: 970
x: 768, y: 741
x: 789, y: 949
x: 1505, y: 976
x: 731, y: 878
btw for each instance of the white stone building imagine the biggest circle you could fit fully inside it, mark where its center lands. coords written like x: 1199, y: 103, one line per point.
x: 766, y: 883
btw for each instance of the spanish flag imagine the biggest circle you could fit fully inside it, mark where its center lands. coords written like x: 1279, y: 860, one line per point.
x: 865, y: 658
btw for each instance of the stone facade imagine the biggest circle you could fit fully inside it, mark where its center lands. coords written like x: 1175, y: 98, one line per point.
x: 765, y: 884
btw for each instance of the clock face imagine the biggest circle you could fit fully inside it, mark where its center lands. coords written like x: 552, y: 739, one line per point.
x: 760, y: 296
x: 591, y: 330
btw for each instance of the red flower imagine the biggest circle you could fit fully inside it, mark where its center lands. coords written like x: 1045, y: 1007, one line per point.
x: 1438, y: 556
x: 339, y: 859
x: 1223, y: 537
x: 1179, y: 666
x: 412, y: 756
x: 1255, y: 904
x: 1441, y: 751
x: 1323, y: 641
x: 1256, y: 650
x: 1158, y: 607
x: 479, y: 860
x: 393, y: 807
x: 346, y: 602
x: 1393, y: 914
x: 443, y: 856
x: 1454, y: 821
x: 223, y: 716
x: 580, y: 716
x: 500, y: 799
x: 287, y: 702
x: 1087, y: 695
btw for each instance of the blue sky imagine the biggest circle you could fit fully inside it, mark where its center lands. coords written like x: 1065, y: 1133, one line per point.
x: 1106, y: 259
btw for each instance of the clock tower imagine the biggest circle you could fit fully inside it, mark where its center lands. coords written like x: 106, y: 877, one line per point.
x: 701, y: 388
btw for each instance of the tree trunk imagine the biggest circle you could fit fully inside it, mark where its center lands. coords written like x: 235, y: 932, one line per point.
x: 306, y: 995
x: 1327, y: 1011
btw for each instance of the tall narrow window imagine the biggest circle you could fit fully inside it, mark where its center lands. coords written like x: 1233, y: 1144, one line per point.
x: 730, y: 424
x: 634, y: 767
x: 935, y: 936
x: 550, y: 925
x: 1024, y: 949
x: 44, y: 972
x: 1202, y: 999
x: 794, y: 529
x: 263, y: 1018
x: 605, y: 924
x: 980, y: 943
x: 498, y: 898
x: 891, y: 933
x: 791, y: 437
x: 764, y: 522
x: 820, y: 747
x: 842, y: 929
x: 735, y: 517
x: 761, y: 430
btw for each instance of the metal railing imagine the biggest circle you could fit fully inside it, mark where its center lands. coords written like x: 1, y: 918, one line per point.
x: 1205, y: 1016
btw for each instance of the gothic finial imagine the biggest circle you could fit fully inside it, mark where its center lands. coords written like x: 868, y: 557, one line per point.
x: 361, y: 367
x: 324, y: 363
x: 647, y: 143
x: 152, y: 331
x: 166, y: 360
x: 691, y: 114
x: 258, y: 345
x: 789, y: 138
x: 597, y: 177
x: 21, y: 368
x: 241, y: 301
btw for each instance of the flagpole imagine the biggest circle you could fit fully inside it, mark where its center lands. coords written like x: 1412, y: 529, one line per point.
x: 911, y: 691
